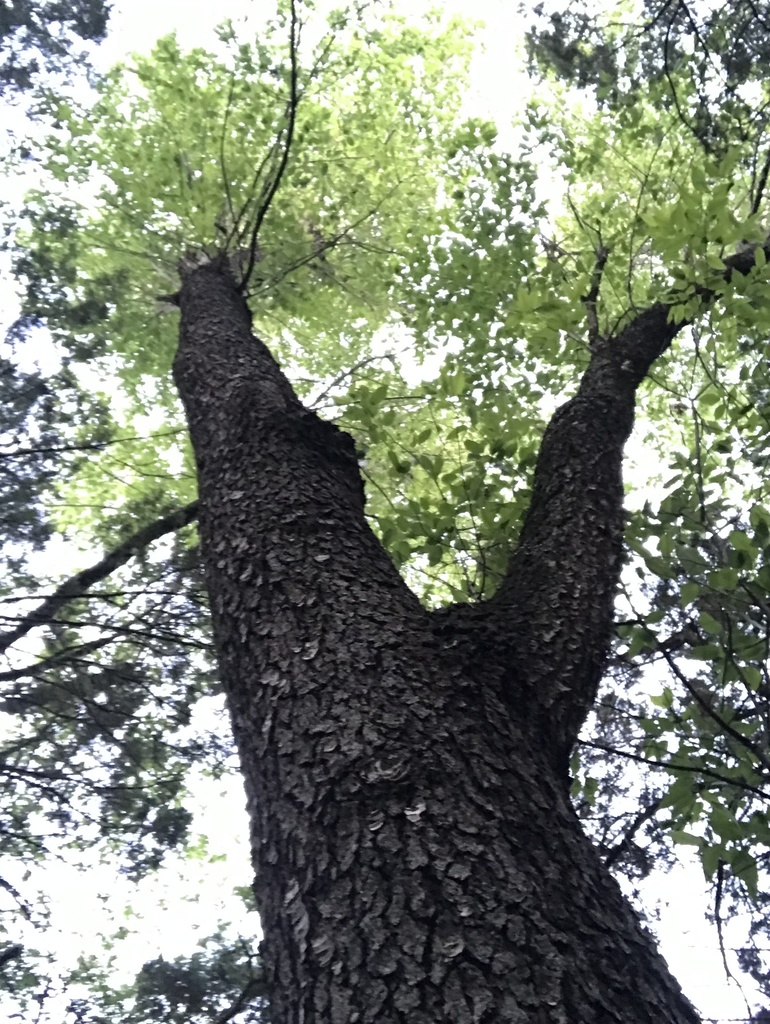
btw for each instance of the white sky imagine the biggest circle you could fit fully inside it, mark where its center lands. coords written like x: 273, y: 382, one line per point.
x: 688, y: 943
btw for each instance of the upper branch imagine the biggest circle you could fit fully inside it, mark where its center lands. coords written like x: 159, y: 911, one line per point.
x: 275, y: 181
x: 553, y: 613
x: 591, y: 298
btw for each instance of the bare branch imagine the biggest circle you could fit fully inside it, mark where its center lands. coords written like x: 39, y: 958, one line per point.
x: 349, y: 373
x: 344, y: 235
x: 254, y: 988
x: 275, y: 181
x: 720, y: 934
x: 78, y: 584
x: 623, y: 844
x: 85, y: 446
x: 708, y: 710
x: 227, y: 224
x: 672, y: 766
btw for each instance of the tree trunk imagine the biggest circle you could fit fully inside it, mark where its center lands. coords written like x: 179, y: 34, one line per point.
x: 416, y: 855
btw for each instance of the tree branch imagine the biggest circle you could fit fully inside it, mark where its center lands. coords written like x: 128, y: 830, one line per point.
x: 623, y: 844
x: 276, y: 179
x: 591, y: 298
x: 254, y: 988
x: 552, y: 618
x: 671, y: 766
x: 721, y: 723
x: 229, y: 228
x: 78, y: 584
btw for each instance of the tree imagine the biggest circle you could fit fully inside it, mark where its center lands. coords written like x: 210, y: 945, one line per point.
x: 407, y: 763
x: 36, y: 39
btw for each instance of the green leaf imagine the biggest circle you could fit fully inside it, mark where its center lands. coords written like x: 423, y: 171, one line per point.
x: 664, y: 700
x: 752, y: 676
x: 724, y: 579
x: 457, y: 383
x: 708, y: 623
x: 724, y: 823
x: 710, y: 857
x: 744, y: 867
x: 682, y: 838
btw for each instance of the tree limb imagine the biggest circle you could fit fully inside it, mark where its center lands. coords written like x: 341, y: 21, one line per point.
x: 276, y: 179
x: 76, y: 585
x: 671, y: 766
x: 553, y: 613
x: 623, y: 844
x: 254, y: 988
x: 722, y: 724
x: 228, y: 228
x: 591, y: 298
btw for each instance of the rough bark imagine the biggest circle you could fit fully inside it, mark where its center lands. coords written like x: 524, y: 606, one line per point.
x: 553, y: 612
x: 415, y: 854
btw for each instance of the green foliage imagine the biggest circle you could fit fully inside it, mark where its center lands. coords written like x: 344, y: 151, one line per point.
x: 166, y: 180
x: 710, y: 60
x: 195, y: 989
x: 376, y: 119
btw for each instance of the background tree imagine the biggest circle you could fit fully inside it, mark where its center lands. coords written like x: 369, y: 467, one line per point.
x: 37, y: 39
x: 458, y: 248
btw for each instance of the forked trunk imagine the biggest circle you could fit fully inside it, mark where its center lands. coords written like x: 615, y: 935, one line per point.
x: 415, y: 852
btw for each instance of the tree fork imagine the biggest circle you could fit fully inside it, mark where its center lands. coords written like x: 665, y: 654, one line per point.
x: 415, y: 853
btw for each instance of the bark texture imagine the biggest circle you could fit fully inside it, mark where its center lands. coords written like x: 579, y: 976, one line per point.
x: 415, y: 854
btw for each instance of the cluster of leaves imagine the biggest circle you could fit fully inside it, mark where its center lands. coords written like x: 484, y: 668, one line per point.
x: 222, y: 981
x: 101, y: 726
x: 708, y: 58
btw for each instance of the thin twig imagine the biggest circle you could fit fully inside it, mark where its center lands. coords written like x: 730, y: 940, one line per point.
x: 670, y: 766
x: 622, y: 845
x: 720, y: 935
x: 704, y: 705
x: 254, y: 988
